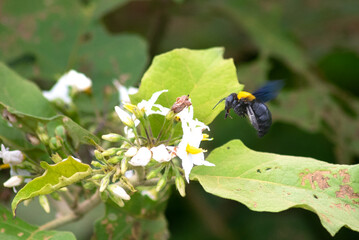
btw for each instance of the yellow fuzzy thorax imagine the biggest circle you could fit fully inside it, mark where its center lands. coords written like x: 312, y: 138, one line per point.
x: 247, y: 95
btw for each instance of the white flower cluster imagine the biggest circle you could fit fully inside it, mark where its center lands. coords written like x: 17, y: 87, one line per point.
x: 13, y: 159
x: 188, y: 148
x: 61, y: 90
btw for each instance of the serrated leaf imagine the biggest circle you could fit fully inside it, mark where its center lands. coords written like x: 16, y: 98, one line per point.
x: 55, y: 177
x: 273, y: 183
x: 15, y: 228
x: 203, y: 74
x: 119, y: 223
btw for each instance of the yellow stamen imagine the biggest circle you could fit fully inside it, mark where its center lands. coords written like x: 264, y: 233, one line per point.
x: 88, y: 90
x: 193, y: 150
x: 246, y: 95
x: 4, y: 166
x: 205, y: 137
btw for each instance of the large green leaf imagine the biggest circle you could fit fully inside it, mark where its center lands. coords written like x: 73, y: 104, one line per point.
x: 15, y: 228
x: 271, y: 182
x: 55, y: 177
x: 21, y: 96
x: 203, y: 74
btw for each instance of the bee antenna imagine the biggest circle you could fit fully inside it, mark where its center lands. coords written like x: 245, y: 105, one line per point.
x: 218, y: 103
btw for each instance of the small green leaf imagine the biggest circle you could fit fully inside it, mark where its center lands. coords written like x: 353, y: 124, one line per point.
x: 15, y: 228
x: 273, y: 183
x: 203, y: 74
x: 55, y: 177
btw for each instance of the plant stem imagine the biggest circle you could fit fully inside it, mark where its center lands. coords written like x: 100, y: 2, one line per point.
x: 77, y: 213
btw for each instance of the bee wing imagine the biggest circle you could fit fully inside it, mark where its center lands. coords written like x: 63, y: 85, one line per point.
x: 268, y: 91
x: 252, y: 118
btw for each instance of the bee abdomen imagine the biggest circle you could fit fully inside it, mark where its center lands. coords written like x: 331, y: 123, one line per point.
x: 263, y: 117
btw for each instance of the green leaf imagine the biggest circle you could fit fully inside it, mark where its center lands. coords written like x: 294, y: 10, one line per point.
x: 55, y: 177
x: 203, y: 74
x: 22, y: 97
x: 15, y: 228
x: 273, y: 183
x: 146, y: 221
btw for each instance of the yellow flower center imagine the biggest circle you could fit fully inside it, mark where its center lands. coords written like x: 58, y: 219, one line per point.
x: 193, y: 150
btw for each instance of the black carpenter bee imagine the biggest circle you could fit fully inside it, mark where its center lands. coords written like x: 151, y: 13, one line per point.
x: 252, y: 104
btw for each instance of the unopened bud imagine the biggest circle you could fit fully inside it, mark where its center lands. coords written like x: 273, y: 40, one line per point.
x: 104, y: 182
x: 55, y: 143
x: 114, y: 160
x: 98, y: 155
x: 60, y: 131
x: 112, y: 137
x: 124, y: 166
x: 118, y: 191
x: 180, y: 185
x: 96, y: 164
x: 161, y: 184
x: 104, y: 196
x: 11, y: 157
x: 110, y: 152
x: 98, y: 176
x: 13, y: 181
x: 44, y: 202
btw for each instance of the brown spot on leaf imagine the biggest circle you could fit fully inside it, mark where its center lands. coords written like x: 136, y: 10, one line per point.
x: 346, y: 190
x: 109, y: 231
x: 4, y: 216
x: 2, y: 230
x: 20, y: 234
x: 316, y: 177
x: 344, y: 173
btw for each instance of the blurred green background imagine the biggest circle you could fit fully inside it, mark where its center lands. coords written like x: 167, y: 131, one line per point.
x: 312, y: 45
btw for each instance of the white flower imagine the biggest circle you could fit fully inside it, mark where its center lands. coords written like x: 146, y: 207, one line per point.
x: 142, y: 157
x: 118, y: 191
x: 13, y: 181
x: 124, y: 92
x: 188, y: 149
x: 161, y: 154
x: 131, y: 152
x: 11, y: 157
x: 124, y: 116
x: 61, y: 89
x: 129, y: 132
x: 148, y: 105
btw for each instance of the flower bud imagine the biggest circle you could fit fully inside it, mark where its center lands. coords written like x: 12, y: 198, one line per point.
x: 98, y: 155
x: 125, y: 117
x: 96, y: 164
x: 114, y: 160
x: 60, y: 131
x: 110, y: 151
x: 124, y: 166
x: 89, y: 185
x: 104, y: 182
x: 139, y: 113
x: 55, y: 143
x: 13, y: 181
x: 98, y: 176
x: 142, y: 157
x: 131, y: 152
x: 118, y: 191
x: 180, y: 185
x: 44, y: 202
x: 161, y: 184
x: 112, y: 137
x: 170, y: 115
x: 160, y: 153
x: 12, y: 157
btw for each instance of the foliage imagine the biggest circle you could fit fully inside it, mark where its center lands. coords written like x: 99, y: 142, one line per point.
x: 45, y: 39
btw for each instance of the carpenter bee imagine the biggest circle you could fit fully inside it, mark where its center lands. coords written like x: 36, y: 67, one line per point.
x: 252, y: 104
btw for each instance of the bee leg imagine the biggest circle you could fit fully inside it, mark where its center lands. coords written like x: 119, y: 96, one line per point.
x: 227, y: 115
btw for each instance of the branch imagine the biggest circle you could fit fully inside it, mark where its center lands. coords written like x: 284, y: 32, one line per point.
x: 77, y: 213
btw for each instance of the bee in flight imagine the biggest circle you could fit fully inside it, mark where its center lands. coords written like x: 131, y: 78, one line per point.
x: 252, y: 104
